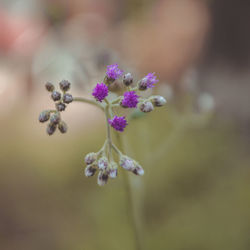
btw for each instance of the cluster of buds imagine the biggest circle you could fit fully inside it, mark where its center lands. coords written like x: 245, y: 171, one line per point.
x: 61, y: 100
x: 103, y: 161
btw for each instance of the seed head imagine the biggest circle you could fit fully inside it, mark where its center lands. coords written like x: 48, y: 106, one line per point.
x: 64, y: 85
x: 49, y: 86
x: 56, y: 96
x: 44, y: 116
x: 127, y: 79
x: 62, y: 126
x: 67, y: 98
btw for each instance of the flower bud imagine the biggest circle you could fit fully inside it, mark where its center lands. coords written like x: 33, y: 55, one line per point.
x: 44, y: 116
x: 62, y: 126
x: 102, y: 178
x: 113, y: 170
x: 49, y: 86
x: 158, y: 100
x: 56, y: 96
x: 60, y: 106
x: 103, y: 163
x: 127, y: 163
x: 146, y: 107
x: 55, y: 118
x: 51, y: 128
x: 90, y: 158
x: 90, y: 170
x: 64, y: 85
x: 127, y: 79
x: 67, y: 98
x: 138, y: 170
x: 143, y: 84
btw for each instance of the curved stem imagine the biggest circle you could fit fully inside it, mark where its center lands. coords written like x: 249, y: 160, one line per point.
x: 130, y: 201
x: 85, y: 100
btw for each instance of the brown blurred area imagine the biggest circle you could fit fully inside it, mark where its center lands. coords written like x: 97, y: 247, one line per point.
x: 195, y: 192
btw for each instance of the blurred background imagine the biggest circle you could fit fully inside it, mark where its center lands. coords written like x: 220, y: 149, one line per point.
x: 195, y: 194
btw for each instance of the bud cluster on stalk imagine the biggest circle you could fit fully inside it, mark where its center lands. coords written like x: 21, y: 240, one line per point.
x: 61, y: 99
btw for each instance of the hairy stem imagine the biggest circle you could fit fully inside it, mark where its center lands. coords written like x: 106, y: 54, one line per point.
x: 108, y: 131
x: 130, y: 202
x: 85, y: 100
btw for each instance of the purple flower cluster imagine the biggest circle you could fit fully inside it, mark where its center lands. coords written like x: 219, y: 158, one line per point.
x: 150, y: 80
x: 113, y: 72
x: 118, y: 123
x: 130, y: 99
x: 100, y: 91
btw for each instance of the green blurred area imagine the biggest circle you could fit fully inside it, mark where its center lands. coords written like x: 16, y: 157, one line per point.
x: 194, y: 194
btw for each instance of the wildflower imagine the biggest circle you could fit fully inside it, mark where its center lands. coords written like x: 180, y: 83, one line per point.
x: 49, y: 86
x: 67, y: 98
x: 113, y: 72
x: 130, y: 99
x: 64, y: 85
x: 44, y: 116
x: 118, y: 123
x: 146, y: 107
x: 62, y: 126
x: 100, y: 91
x: 148, y: 81
x: 90, y: 158
x: 127, y: 79
x: 102, y: 178
x: 90, y: 170
x: 56, y: 96
x: 158, y: 100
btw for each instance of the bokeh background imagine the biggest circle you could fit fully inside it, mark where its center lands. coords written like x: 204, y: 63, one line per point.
x: 195, y: 194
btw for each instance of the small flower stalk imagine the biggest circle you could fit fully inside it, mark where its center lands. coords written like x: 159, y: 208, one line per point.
x: 102, y: 163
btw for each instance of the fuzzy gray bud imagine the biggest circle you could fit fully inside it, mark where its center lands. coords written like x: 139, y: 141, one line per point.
x: 127, y: 79
x: 55, y: 118
x: 113, y: 170
x: 158, y: 100
x: 90, y: 158
x: 102, y: 178
x: 146, y: 107
x: 90, y: 170
x: 62, y: 126
x: 67, y: 98
x: 64, y: 85
x: 103, y: 163
x: 49, y: 86
x: 143, y: 84
x: 44, y: 116
x: 60, y: 106
x: 138, y: 170
x: 56, y: 96
x: 51, y: 128
x: 127, y: 163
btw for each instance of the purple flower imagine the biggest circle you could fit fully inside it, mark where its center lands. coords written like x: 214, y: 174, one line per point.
x: 118, y: 123
x: 113, y: 72
x: 130, y: 99
x: 148, y: 81
x: 100, y: 91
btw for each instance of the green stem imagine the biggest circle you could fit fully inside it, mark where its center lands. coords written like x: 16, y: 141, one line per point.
x: 130, y: 201
x: 85, y: 100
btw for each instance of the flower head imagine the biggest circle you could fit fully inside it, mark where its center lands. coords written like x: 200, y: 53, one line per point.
x: 148, y: 81
x: 130, y: 99
x: 100, y: 91
x: 113, y: 72
x: 118, y: 123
